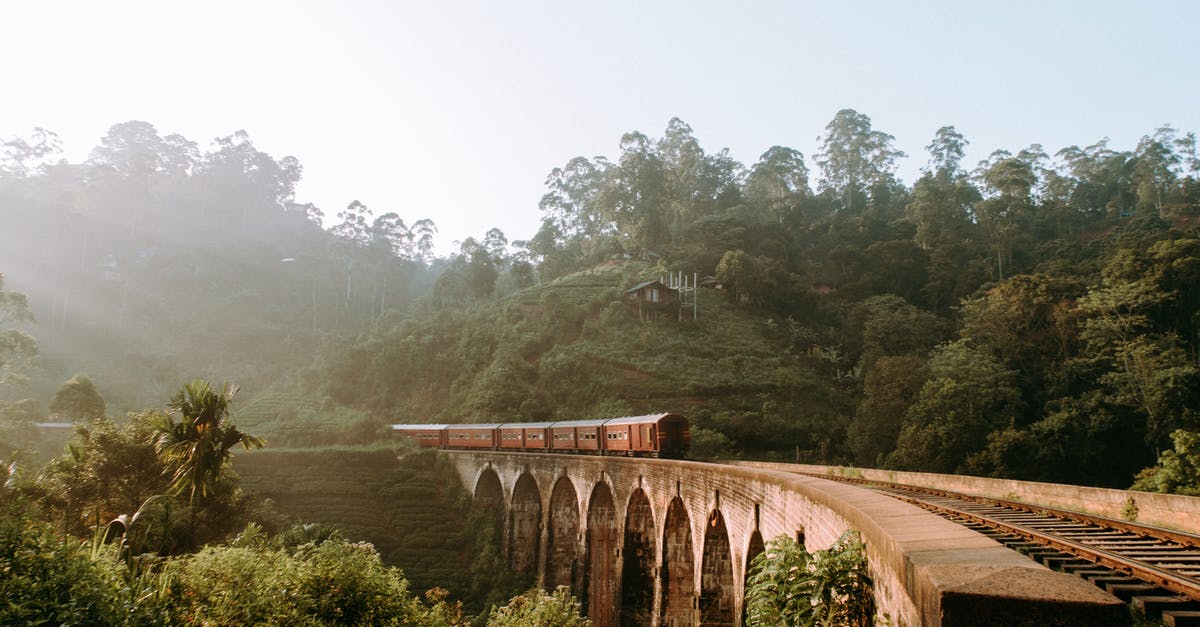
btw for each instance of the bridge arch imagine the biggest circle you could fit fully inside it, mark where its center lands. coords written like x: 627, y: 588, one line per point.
x: 754, y: 548
x: 524, y: 527
x: 716, y: 574
x: 489, y: 493
x: 637, y: 562
x: 562, y: 542
x: 602, y: 552
x: 678, y: 567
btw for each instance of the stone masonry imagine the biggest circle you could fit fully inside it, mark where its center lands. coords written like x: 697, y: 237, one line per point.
x: 647, y: 541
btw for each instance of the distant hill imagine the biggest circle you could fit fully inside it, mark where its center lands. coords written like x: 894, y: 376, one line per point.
x: 571, y: 349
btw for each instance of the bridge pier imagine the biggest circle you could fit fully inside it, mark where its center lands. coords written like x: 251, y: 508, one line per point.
x: 672, y: 541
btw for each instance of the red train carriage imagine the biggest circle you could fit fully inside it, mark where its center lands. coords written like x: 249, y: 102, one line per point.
x: 655, y: 435
x: 523, y: 436
x: 424, y: 435
x: 470, y: 436
x: 576, y: 436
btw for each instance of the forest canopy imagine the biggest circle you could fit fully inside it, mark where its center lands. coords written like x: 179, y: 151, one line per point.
x: 1033, y: 315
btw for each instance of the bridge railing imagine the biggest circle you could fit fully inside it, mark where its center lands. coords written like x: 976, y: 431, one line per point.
x: 1162, y: 510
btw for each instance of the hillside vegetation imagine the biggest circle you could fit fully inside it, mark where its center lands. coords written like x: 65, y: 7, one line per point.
x: 1033, y: 316
x: 570, y: 349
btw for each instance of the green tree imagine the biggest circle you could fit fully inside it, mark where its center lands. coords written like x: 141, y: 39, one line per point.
x: 1007, y: 209
x: 889, y: 389
x: 78, y: 401
x: 1178, y: 469
x: 740, y: 274
x: 854, y: 158
x: 946, y: 153
x: 197, y: 448
x: 107, y: 470
x: 536, y: 608
x: 1154, y: 175
x: 790, y: 587
x: 17, y: 348
x: 778, y: 183
x: 634, y: 194
x: 968, y: 395
x: 51, y: 580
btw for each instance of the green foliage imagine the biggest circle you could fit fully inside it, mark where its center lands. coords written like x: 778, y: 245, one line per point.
x: 48, y: 579
x: 77, y: 401
x: 1178, y: 469
x: 196, y: 449
x: 333, y: 582
x: 537, y: 608
x: 788, y: 586
x: 414, y: 512
x: 107, y: 470
x: 17, y: 348
x: 1072, y: 278
x: 969, y: 394
x: 18, y: 428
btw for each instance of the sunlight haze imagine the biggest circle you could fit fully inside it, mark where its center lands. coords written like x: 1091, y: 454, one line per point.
x: 457, y: 111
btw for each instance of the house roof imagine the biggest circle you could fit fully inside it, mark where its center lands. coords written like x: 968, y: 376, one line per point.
x: 647, y: 284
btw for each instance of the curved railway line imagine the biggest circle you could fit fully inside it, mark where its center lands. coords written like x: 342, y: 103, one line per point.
x: 1154, y: 569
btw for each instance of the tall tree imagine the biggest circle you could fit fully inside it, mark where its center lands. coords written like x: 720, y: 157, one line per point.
x: 1007, y: 209
x: 634, y: 195
x: 946, y: 154
x: 778, y: 183
x: 196, y: 449
x: 20, y: 156
x: 78, y: 401
x: 17, y: 348
x: 854, y: 158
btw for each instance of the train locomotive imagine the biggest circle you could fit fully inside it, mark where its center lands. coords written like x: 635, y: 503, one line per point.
x: 655, y: 435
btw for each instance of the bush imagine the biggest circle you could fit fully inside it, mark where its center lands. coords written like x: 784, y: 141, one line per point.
x: 539, y: 609
x: 48, y: 579
x: 789, y: 586
x: 334, y: 582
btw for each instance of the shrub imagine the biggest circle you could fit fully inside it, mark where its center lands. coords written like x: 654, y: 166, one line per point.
x: 789, y: 586
x: 536, y: 608
x: 334, y: 582
x: 48, y: 579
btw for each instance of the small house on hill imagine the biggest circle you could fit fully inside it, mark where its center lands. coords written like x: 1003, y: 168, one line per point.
x: 650, y: 299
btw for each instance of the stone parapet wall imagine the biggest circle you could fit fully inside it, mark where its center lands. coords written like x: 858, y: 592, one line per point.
x: 1148, y: 508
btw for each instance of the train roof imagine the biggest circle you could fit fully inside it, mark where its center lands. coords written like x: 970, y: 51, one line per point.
x: 525, y: 425
x: 410, y: 427
x: 639, y: 420
x: 577, y: 423
x: 475, y: 425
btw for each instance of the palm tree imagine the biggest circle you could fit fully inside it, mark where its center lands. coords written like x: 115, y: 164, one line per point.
x: 196, y: 448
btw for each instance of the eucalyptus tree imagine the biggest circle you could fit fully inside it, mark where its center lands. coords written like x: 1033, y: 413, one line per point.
x: 1154, y: 175
x: 946, y: 153
x: 854, y: 158
x: 1007, y: 208
x: 634, y: 193
x: 778, y: 183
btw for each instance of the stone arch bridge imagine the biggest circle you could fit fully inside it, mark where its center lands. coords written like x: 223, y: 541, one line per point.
x: 658, y: 542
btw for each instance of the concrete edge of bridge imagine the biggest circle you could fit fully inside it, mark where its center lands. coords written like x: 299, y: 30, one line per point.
x: 954, y: 575
x: 1171, y: 511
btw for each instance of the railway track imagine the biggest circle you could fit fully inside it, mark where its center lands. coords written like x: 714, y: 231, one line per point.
x: 1156, y: 570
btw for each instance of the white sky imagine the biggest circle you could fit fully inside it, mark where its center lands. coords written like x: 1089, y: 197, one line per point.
x: 457, y: 111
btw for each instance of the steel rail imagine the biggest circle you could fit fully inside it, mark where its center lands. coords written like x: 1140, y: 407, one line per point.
x: 1139, y: 569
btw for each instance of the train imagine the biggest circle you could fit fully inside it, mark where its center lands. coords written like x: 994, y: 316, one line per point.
x: 664, y: 435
